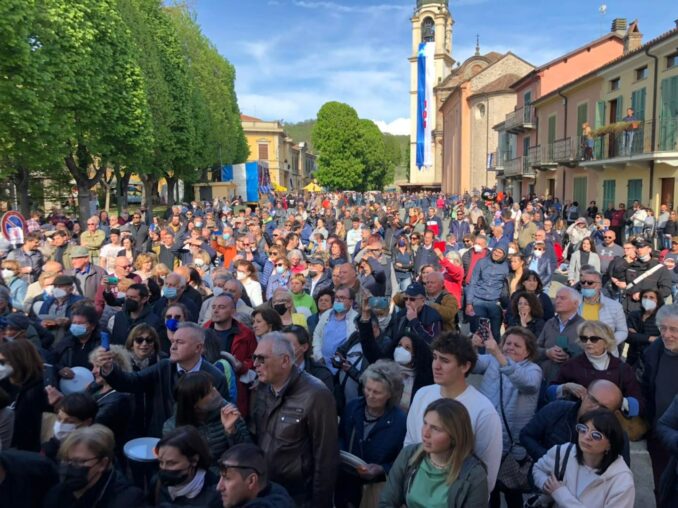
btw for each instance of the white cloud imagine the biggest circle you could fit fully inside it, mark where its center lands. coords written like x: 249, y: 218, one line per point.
x: 399, y: 126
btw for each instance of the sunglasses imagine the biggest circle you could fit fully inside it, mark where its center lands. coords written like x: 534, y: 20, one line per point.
x: 177, y: 317
x: 280, y: 264
x: 588, y: 282
x: 608, y: 237
x: 411, y: 298
x: 141, y: 340
x: 593, y: 339
x: 583, y: 429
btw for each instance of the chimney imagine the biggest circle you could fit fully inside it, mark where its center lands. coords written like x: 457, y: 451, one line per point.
x: 619, y: 26
x: 633, y: 39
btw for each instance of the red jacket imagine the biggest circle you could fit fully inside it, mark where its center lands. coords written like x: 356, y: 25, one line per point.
x: 242, y: 347
x: 454, y: 275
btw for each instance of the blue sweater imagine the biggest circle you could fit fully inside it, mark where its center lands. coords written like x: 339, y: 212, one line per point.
x: 383, y: 443
x: 487, y: 280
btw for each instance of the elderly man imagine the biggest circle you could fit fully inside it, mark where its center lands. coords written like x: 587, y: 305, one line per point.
x: 549, y: 249
x: 438, y: 298
x: 219, y: 279
x: 174, y: 291
x: 527, y: 231
x: 555, y: 423
x: 598, y: 307
x: 93, y: 238
x: 161, y: 378
x: 416, y: 318
x: 334, y: 327
x: 88, y: 276
x: 558, y: 341
x: 51, y: 269
x: 295, y: 423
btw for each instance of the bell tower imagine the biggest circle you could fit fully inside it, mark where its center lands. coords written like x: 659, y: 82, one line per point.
x: 431, y: 24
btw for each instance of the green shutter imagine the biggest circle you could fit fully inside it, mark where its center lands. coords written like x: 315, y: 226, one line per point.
x: 620, y: 109
x: 668, y: 118
x: 552, y: 129
x: 599, y: 122
x: 638, y: 103
x: 609, y: 189
x: 579, y: 191
x: 582, y: 116
x: 635, y: 192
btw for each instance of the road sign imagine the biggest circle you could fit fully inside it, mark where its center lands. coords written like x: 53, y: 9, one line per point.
x: 13, y: 227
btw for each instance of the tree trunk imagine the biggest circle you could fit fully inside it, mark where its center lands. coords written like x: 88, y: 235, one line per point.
x: 121, y: 186
x: 23, y: 197
x: 79, y: 170
x: 150, y: 186
x: 171, y: 186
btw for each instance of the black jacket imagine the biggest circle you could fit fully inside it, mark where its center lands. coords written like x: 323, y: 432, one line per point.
x: 31, y: 401
x: 69, y: 352
x: 124, y: 322
x: 187, y: 299
x: 29, y: 477
x: 273, y: 496
x: 207, y: 497
x: 112, y: 490
x: 161, y: 378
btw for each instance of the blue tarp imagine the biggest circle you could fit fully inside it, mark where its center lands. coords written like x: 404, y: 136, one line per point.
x: 252, y: 176
x: 227, y: 173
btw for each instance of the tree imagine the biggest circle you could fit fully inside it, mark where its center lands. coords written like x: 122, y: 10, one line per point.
x: 373, y: 155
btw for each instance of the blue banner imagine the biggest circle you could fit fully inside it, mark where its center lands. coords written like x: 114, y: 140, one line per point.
x: 421, y: 103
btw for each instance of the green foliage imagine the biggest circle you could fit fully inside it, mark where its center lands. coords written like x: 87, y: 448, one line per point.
x: 301, y: 132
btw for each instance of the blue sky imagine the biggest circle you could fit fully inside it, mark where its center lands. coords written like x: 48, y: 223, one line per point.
x: 292, y: 56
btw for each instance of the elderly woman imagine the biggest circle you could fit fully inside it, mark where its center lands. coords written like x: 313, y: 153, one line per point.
x: 296, y: 259
x: 372, y: 428
x: 88, y: 475
x: 280, y: 278
x: 283, y: 304
x: 597, y: 340
x: 11, y: 274
x: 144, y: 264
x: 511, y: 380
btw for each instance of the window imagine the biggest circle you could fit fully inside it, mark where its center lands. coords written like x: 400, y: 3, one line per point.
x: 428, y: 30
x: 614, y: 84
x: 635, y: 192
x: 263, y: 151
x: 582, y: 116
x: 609, y: 189
x: 641, y: 73
x: 672, y: 60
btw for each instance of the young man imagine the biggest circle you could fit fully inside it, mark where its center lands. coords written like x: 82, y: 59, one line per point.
x: 453, y: 360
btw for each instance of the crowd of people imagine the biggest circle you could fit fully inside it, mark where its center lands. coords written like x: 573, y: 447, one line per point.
x: 340, y: 350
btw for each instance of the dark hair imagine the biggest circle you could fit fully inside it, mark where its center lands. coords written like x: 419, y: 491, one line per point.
x: 351, y: 291
x: 192, y: 387
x: 660, y: 298
x: 79, y: 405
x: 302, y: 335
x: 189, y: 442
x: 270, y: 316
x: 343, y: 249
x: 591, y: 243
x: 24, y: 359
x: 530, y: 274
x: 141, y: 288
x: 532, y: 300
x: 453, y: 343
x: 527, y: 336
x: 324, y: 292
x: 194, y: 276
x: 88, y: 312
x: 422, y: 362
x: 249, y: 458
x: 184, y: 310
x: 606, y: 423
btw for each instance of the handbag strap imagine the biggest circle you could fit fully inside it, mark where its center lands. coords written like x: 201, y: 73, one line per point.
x: 559, y: 470
x: 501, y: 407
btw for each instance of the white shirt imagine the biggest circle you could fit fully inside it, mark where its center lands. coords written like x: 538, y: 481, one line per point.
x: 484, y: 421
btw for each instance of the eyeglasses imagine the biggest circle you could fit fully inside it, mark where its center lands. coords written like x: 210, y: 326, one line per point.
x: 78, y: 462
x: 280, y: 264
x: 259, y: 359
x: 608, y: 237
x: 178, y: 317
x: 412, y: 298
x: 141, y: 340
x: 588, y: 282
x: 583, y: 429
x: 91, y: 224
x: 592, y: 339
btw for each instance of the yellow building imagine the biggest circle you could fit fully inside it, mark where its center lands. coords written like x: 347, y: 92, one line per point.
x: 628, y: 160
x: 290, y: 164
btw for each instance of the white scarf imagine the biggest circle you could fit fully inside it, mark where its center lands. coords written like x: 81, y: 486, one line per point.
x: 191, y: 489
x: 599, y: 362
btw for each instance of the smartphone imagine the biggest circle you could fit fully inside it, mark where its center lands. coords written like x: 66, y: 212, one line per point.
x: 378, y: 302
x: 105, y: 341
x: 563, y: 343
x: 337, y: 361
x: 113, y: 280
x: 484, y: 328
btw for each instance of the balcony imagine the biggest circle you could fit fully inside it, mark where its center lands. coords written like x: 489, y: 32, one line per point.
x: 541, y: 157
x: 567, y: 152
x: 496, y: 160
x: 519, y: 166
x: 521, y: 120
x: 622, y: 143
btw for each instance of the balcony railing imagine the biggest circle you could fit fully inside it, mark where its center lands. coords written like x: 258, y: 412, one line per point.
x: 521, y: 120
x: 567, y: 151
x: 623, y: 143
x: 519, y: 166
x: 497, y: 160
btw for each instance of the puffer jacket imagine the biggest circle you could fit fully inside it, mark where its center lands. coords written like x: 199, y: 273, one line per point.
x: 487, y: 280
x: 614, y: 487
x: 297, y: 429
x: 469, y: 490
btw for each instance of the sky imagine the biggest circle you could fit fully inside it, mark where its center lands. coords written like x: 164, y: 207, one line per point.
x: 292, y: 56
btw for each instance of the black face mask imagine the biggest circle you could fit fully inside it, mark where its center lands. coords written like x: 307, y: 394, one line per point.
x: 172, y: 478
x: 72, y: 477
x: 280, y: 308
x: 312, y: 273
x: 131, y: 305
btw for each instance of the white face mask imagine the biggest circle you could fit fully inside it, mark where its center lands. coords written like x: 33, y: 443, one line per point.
x: 511, y: 251
x: 198, y: 262
x: 241, y: 275
x: 62, y: 430
x: 5, y: 370
x: 538, y: 253
x: 7, y: 273
x: 216, y: 291
x: 648, y: 305
x: 402, y: 356
x: 477, y: 248
x: 58, y: 293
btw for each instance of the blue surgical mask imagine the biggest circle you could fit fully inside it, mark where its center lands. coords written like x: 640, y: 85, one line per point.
x: 169, y: 293
x: 339, y: 307
x: 280, y: 269
x: 172, y: 324
x: 226, y: 236
x: 588, y: 292
x: 77, y: 330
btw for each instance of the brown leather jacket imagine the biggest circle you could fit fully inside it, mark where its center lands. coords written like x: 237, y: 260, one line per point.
x: 298, y: 432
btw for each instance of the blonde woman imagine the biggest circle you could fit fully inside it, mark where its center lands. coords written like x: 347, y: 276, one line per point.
x: 442, y: 471
x: 144, y: 264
